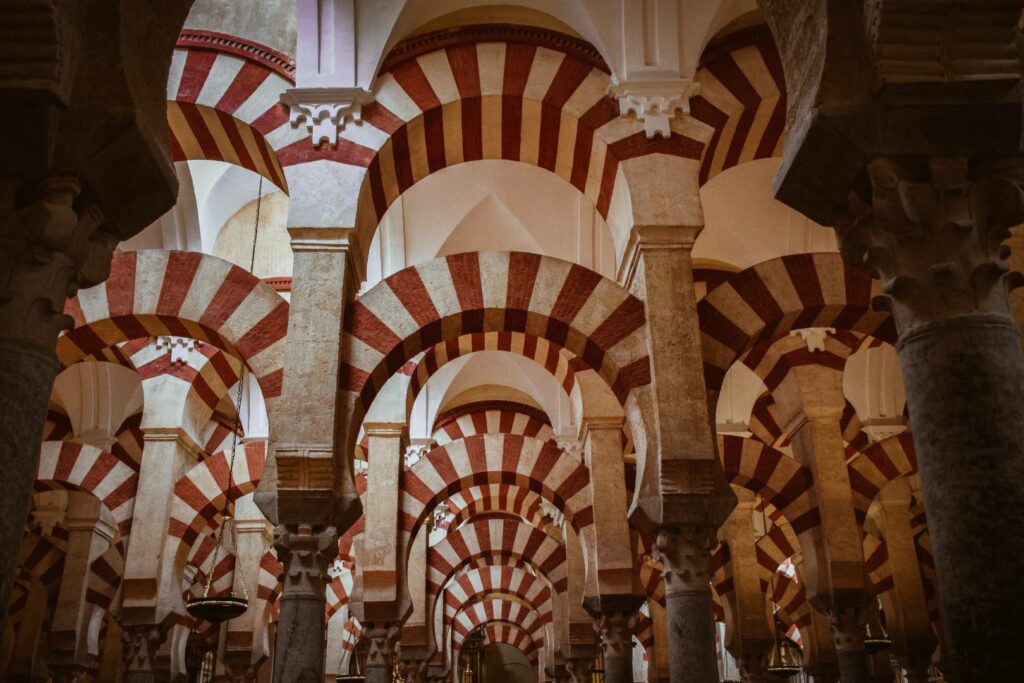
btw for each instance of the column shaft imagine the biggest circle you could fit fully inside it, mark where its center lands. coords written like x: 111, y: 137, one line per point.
x: 964, y: 379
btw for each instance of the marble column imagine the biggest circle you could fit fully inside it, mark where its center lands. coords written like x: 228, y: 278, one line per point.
x: 932, y: 230
x: 380, y: 656
x: 848, y: 624
x: 306, y: 555
x: 685, y: 554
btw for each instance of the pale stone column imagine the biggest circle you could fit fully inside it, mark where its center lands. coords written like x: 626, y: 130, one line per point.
x: 750, y: 634
x: 306, y: 555
x: 615, y: 630
x: 89, y: 536
x: 933, y: 231
x: 415, y: 639
x: 382, y: 639
x: 657, y: 666
x: 579, y: 638
x: 139, y: 645
x: 682, y: 496
x: 580, y: 665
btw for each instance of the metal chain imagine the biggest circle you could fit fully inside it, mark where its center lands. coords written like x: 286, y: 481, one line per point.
x: 227, y: 514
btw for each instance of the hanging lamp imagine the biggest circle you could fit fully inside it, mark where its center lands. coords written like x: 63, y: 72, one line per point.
x: 785, y: 659
x: 218, y: 608
x: 876, y: 637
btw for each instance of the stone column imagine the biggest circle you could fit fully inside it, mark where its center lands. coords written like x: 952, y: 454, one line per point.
x: 306, y: 554
x: 932, y: 231
x: 382, y: 638
x: 658, y: 665
x: 752, y: 666
x: 615, y: 633
x: 916, y: 668
x: 139, y: 645
x: 848, y: 623
x: 89, y: 536
x: 47, y: 251
x: 580, y: 666
x: 685, y: 554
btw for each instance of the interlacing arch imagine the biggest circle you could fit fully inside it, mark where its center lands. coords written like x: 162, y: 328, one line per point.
x: 766, y: 301
x: 492, y: 417
x: 475, y: 583
x: 539, y: 466
x: 446, y: 298
x: 224, y: 103
x: 742, y: 98
x: 491, y: 94
x: 878, y: 464
x: 492, y: 609
x: 495, y: 499
x: 156, y: 293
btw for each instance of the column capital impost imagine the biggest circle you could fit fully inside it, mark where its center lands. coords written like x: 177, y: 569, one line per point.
x: 325, y: 111
x: 173, y: 434
x: 655, y: 102
x: 611, y: 423
x: 393, y: 430
x: 323, y: 240
x: 651, y: 238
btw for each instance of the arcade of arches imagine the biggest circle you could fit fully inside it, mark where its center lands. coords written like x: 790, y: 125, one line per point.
x: 526, y: 341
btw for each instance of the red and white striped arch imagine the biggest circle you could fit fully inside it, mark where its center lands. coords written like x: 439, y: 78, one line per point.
x: 495, y: 609
x: 200, y: 495
x: 64, y: 464
x: 492, y: 417
x: 472, y: 583
x: 184, y: 294
x: 774, y: 476
x: 496, y: 458
x: 788, y: 593
x: 742, y: 98
x: 339, y: 590
x: 496, y: 95
x: 446, y: 298
x: 502, y: 632
x: 224, y: 104
x: 766, y: 301
x: 878, y: 464
x: 496, y: 498
x: 552, y: 357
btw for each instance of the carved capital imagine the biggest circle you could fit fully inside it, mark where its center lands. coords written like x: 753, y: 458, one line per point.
x: 932, y: 231
x: 580, y: 669
x: 139, y: 643
x: 655, y: 103
x: 847, y: 614
x: 615, y: 630
x: 685, y: 555
x: 306, y: 556
x: 414, y: 670
x: 326, y: 111
x: 381, y: 638
x: 49, y: 248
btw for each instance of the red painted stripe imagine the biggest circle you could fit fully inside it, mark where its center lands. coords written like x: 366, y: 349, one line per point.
x: 272, y: 119
x: 402, y: 159
x: 579, y: 284
x: 198, y: 64
x: 178, y: 277
x: 177, y: 153
x: 414, y: 82
x: 472, y: 129
x: 247, y: 80
x: 382, y: 118
x: 511, y: 127
x: 120, y: 286
x: 408, y: 287
x: 465, y: 69
x: 369, y: 329
x: 270, y: 329
x: 230, y: 125
x: 626, y: 319
x: 66, y: 460
x: 465, y: 274
x: 550, y: 130
x: 380, y: 202
x: 233, y: 290
x: 203, y: 135
x: 347, y: 152
x: 433, y: 127
x: 604, y: 195
x: 522, y: 275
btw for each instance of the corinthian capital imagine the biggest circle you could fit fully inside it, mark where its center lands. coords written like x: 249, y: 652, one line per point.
x: 48, y: 250
x: 933, y: 233
x: 306, y: 556
x: 685, y: 554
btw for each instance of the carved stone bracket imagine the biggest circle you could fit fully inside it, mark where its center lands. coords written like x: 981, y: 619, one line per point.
x: 685, y: 554
x: 48, y: 250
x: 139, y: 645
x: 306, y: 557
x: 615, y: 630
x: 655, y: 103
x: 326, y: 111
x: 381, y: 638
x: 933, y: 233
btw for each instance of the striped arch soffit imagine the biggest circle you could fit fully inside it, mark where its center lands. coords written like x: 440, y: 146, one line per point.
x: 223, y: 104
x: 500, y: 609
x: 742, y: 98
x: 492, y: 499
x: 766, y: 301
x: 445, y: 298
x: 501, y: 632
x: 475, y: 584
x: 562, y: 365
x: 538, y: 466
x: 184, y: 294
x: 498, y: 92
x: 492, y: 417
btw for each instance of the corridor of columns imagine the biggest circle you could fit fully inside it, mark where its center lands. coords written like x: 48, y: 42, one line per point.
x: 533, y: 341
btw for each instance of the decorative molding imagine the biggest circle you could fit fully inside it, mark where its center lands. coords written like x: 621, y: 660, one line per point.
x: 180, y: 348
x: 325, y: 111
x: 814, y: 337
x: 279, y: 284
x: 655, y: 103
x: 449, y: 416
x: 653, y: 237
x: 471, y: 34
x: 278, y: 62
